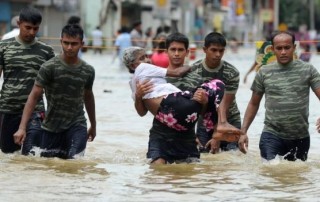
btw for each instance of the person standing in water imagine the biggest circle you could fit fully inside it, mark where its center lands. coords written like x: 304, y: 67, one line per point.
x: 67, y: 82
x: 20, y: 60
x: 286, y: 126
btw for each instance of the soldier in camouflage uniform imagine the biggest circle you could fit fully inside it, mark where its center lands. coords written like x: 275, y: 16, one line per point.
x: 213, y: 67
x: 20, y: 60
x: 286, y: 85
x: 67, y: 82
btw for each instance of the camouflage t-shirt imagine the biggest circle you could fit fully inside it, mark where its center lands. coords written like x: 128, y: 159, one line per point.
x: 20, y: 64
x: 64, y: 88
x: 287, y: 89
x: 229, y: 75
x: 189, y: 82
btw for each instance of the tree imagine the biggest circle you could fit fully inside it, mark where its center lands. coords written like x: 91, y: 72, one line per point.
x: 294, y: 13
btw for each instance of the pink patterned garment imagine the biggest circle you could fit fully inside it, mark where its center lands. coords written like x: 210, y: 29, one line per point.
x: 180, y: 112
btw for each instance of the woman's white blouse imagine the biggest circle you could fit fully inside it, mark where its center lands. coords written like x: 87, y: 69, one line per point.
x: 156, y: 75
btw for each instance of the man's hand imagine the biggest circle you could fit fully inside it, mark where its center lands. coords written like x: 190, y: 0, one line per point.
x: 227, y: 136
x: 199, y: 143
x: 227, y: 128
x: 214, y: 146
x: 243, y: 143
x: 143, y: 88
x: 183, y: 70
x: 226, y: 132
x: 200, y: 96
x: 20, y: 136
x: 91, y: 134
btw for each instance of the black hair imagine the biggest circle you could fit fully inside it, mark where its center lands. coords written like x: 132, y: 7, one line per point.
x: 136, y: 23
x: 124, y: 29
x: 166, y: 29
x: 72, y: 30
x: 276, y: 33
x: 215, y: 38
x: 161, y: 46
x: 177, y: 37
x: 31, y: 15
x: 74, y: 20
x: 159, y: 30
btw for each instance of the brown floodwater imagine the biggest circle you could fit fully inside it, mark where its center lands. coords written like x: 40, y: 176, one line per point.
x: 115, y: 168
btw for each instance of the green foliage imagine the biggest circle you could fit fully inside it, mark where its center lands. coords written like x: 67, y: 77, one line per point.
x: 294, y: 13
x: 317, y: 14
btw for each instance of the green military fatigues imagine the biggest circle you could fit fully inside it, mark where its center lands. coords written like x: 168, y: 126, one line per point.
x: 64, y: 88
x: 20, y: 63
x: 287, y: 88
x: 229, y: 75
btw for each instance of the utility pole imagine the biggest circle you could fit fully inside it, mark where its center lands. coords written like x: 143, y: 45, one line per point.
x: 311, y: 7
x: 276, y: 15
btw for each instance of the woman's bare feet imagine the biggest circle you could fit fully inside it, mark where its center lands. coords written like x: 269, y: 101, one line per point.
x: 227, y: 132
x: 226, y: 136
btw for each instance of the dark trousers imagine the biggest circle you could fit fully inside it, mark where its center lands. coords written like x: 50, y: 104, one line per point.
x: 64, y: 144
x: 9, y: 124
x: 271, y: 146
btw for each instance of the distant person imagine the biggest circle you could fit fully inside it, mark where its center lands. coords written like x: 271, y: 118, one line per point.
x: 166, y: 30
x: 286, y: 85
x: 160, y: 56
x: 156, y: 36
x: 15, y: 29
x: 303, y: 36
x: 136, y: 34
x: 305, y: 55
x: 67, y: 82
x: 304, y: 39
x: 234, y: 44
x: 97, y: 40
x: 20, y: 60
x: 149, y: 45
x: 122, y: 42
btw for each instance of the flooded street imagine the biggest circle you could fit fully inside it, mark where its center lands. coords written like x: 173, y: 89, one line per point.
x: 115, y: 168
